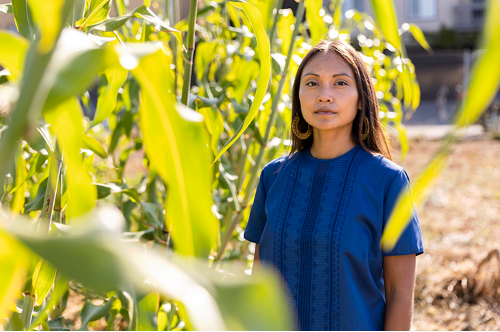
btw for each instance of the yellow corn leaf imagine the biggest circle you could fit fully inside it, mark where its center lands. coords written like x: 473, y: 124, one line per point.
x: 66, y: 121
x: 12, y: 272
x: 116, y: 77
x: 316, y: 24
x: 178, y: 148
x: 387, y: 21
x: 12, y: 53
x: 485, y: 77
x: 264, y: 72
x: 47, y: 16
x: 17, y: 203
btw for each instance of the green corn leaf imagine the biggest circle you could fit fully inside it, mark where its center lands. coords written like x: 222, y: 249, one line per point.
x: 485, y: 77
x: 93, y: 145
x: 264, y: 72
x: 91, y: 312
x: 147, y: 308
x: 49, y: 18
x: 284, y: 32
x: 66, y: 122
x: 23, y: 19
x: 98, y: 12
x: 37, y: 203
x: 78, y: 11
x: 116, y: 77
x: 12, y: 53
x: 6, y: 8
x: 32, y: 91
x: 13, y: 270
x: 337, y: 14
x: 17, y: 202
x: 215, y: 125
x: 418, y: 35
x: 42, y: 280
x: 183, y: 161
x: 60, y: 287
x: 76, y: 62
x: 316, y: 24
x: 205, y: 53
x: 115, y: 23
x: 104, y: 190
x: 387, y: 21
x: 407, y: 200
x: 151, y: 212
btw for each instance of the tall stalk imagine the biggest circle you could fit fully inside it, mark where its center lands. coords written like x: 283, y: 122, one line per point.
x: 188, y: 65
x: 55, y: 164
x: 260, y: 157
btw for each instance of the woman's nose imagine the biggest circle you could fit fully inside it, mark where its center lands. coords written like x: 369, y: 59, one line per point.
x: 325, y: 98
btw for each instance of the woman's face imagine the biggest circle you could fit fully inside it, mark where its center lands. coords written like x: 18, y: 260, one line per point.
x: 328, y: 95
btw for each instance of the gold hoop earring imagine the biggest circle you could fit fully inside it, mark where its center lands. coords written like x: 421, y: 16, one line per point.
x: 295, y: 129
x: 365, y: 134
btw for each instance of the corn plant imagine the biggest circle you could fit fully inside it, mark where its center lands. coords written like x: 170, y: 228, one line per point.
x: 206, y: 103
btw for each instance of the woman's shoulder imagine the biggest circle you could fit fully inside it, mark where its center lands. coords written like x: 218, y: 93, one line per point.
x: 380, y: 166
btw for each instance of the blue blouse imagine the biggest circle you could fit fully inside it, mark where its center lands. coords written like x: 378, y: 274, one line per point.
x: 319, y: 222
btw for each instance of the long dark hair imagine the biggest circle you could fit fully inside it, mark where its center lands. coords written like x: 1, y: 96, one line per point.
x: 377, y: 141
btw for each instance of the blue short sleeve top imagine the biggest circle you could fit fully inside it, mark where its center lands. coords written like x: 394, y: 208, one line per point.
x: 319, y: 222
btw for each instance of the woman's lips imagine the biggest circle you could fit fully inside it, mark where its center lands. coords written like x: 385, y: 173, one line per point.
x: 324, y: 111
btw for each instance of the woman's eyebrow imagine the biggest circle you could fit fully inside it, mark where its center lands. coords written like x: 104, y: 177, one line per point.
x: 334, y: 75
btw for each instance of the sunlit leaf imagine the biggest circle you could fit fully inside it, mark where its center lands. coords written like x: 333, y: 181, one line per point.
x: 76, y: 62
x: 12, y: 261
x: 485, y: 77
x: 49, y: 17
x: 205, y: 53
x: 147, y: 308
x: 17, y: 202
x: 93, y: 145
x: 66, y: 122
x: 98, y: 12
x: 285, y: 31
x: 42, y: 280
x: 12, y: 53
x: 387, y: 21
x: 116, y: 77
x: 264, y: 72
x: 23, y: 19
x: 115, y: 23
x: 418, y: 35
x: 316, y: 25
x: 60, y: 287
x: 183, y: 160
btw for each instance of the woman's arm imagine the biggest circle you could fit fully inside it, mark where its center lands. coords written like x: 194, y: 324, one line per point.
x: 256, y: 261
x: 399, y: 279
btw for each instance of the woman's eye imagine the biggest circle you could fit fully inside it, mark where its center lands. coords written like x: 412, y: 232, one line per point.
x: 311, y: 83
x: 343, y: 83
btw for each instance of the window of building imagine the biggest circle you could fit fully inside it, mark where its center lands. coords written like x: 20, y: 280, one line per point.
x: 352, y: 4
x: 422, y: 9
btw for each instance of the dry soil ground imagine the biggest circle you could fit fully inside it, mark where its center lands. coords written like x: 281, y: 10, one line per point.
x: 460, y: 223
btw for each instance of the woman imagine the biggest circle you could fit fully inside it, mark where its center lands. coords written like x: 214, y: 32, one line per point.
x: 319, y: 213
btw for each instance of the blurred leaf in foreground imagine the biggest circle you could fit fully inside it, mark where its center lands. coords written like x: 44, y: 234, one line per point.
x: 485, y: 77
x: 182, y: 160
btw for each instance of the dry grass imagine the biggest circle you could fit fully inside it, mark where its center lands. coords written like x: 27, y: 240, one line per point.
x: 458, y: 278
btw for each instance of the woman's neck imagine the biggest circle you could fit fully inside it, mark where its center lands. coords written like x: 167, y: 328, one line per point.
x: 331, y: 144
